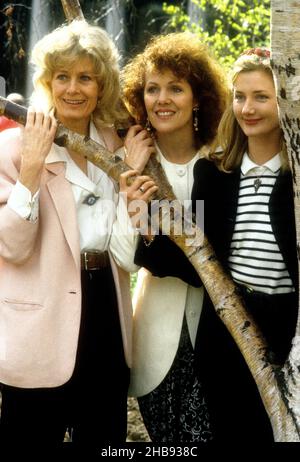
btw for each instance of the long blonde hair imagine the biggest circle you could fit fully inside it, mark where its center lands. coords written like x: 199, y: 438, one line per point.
x: 231, y: 142
x: 63, y: 47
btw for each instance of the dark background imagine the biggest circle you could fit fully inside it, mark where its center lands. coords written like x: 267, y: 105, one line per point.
x: 136, y: 20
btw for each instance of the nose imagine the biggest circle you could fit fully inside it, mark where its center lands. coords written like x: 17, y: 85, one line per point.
x: 72, y: 87
x: 163, y: 97
x: 248, y: 107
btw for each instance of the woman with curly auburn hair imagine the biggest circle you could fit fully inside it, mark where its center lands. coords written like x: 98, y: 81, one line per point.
x: 176, y: 92
x: 189, y: 59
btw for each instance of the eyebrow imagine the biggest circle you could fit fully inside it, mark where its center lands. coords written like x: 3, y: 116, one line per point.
x: 169, y: 83
x: 67, y: 72
x: 256, y: 91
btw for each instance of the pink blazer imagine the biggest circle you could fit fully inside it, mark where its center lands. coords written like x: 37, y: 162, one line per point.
x: 40, y: 289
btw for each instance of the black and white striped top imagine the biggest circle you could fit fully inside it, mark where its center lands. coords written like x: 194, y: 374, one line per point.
x: 255, y: 259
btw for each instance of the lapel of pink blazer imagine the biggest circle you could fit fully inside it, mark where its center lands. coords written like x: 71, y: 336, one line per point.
x: 61, y: 193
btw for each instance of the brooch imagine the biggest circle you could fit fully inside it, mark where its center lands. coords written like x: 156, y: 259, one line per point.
x: 257, y: 184
x: 90, y: 199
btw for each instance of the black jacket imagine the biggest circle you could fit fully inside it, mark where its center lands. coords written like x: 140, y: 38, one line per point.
x: 236, y: 409
x: 219, y: 191
x: 237, y: 412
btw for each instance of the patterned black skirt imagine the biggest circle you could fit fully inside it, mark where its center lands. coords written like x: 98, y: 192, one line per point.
x: 176, y: 411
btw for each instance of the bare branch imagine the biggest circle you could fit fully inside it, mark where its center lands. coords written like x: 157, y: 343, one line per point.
x: 72, y: 10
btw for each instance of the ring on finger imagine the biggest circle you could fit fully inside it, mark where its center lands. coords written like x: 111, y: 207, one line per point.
x: 141, y: 189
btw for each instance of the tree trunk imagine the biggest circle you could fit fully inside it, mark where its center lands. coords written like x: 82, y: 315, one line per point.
x: 229, y: 306
x: 285, y: 40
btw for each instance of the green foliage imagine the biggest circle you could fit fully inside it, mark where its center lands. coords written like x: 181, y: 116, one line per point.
x: 228, y: 26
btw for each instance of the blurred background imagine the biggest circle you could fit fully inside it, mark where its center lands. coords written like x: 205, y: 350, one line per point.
x: 228, y: 26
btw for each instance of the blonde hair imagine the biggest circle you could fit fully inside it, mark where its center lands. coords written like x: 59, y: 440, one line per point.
x: 63, y: 47
x: 187, y: 58
x: 231, y: 142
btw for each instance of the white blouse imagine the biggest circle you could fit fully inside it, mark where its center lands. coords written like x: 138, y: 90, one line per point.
x: 181, y: 178
x: 102, y: 219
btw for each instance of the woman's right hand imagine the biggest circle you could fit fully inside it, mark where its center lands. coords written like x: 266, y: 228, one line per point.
x: 139, y: 147
x: 38, y: 136
x: 138, y: 188
x: 138, y: 191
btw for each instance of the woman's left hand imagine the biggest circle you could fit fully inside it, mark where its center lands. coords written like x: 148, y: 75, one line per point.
x: 139, y: 147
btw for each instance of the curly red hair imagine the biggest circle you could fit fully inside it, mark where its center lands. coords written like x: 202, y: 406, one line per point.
x: 187, y: 58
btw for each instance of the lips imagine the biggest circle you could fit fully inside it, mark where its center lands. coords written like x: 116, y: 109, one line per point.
x: 164, y: 113
x: 74, y: 102
x: 251, y: 121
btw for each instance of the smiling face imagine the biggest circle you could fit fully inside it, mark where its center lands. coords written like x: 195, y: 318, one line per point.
x: 255, y: 105
x: 169, y: 102
x: 75, y: 94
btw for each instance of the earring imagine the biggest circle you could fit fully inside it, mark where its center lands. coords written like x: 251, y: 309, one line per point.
x: 148, y: 126
x: 195, y: 123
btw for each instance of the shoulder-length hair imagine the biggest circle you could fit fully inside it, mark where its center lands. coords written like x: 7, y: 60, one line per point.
x: 231, y: 142
x: 62, y: 48
x: 187, y: 58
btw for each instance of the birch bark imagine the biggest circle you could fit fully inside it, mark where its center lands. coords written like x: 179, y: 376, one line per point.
x: 285, y: 46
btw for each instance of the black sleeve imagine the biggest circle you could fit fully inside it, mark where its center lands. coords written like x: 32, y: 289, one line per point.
x: 205, y: 176
x: 164, y: 258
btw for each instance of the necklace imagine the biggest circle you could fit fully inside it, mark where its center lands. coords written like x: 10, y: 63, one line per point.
x: 257, y: 184
x: 258, y: 181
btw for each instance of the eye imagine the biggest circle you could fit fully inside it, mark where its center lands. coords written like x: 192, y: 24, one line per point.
x: 176, y: 89
x: 86, y: 78
x: 238, y: 97
x: 262, y: 97
x: 151, y: 89
x: 61, y: 77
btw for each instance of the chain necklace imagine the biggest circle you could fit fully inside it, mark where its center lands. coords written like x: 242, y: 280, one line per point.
x: 258, y: 181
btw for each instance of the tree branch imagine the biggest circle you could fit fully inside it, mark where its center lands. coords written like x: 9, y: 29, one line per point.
x: 72, y: 10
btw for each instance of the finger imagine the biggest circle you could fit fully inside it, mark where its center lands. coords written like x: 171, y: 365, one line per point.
x: 133, y: 131
x: 139, y: 184
x: 47, y: 122
x: 30, y: 116
x: 39, y: 118
x: 143, y: 135
x: 124, y: 177
x: 128, y: 174
x: 146, y: 185
x: 143, y: 178
x: 52, y: 127
x: 150, y: 193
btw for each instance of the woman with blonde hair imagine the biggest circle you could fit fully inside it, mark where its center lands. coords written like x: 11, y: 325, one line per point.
x: 65, y: 308
x: 247, y: 189
x: 176, y: 92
